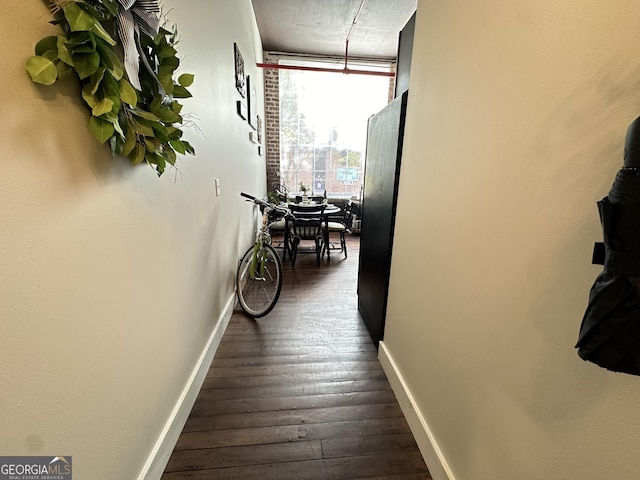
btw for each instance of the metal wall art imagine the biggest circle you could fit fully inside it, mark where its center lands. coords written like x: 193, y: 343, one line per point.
x: 240, y: 79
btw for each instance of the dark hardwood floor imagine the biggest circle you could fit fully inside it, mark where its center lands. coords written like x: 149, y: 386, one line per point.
x: 299, y: 394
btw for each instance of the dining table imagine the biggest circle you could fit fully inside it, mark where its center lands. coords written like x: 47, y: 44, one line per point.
x: 330, y: 208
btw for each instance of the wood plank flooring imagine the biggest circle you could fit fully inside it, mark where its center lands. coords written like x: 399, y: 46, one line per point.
x: 299, y: 394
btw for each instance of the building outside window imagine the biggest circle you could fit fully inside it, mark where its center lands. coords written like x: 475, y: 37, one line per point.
x: 323, y: 127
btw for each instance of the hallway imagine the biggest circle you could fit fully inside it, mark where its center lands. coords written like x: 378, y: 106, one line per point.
x: 300, y: 393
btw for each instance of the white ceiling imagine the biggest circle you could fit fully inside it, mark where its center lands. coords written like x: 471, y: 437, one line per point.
x: 321, y: 26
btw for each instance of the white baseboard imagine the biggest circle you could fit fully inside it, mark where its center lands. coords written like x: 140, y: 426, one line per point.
x: 161, y: 452
x: 433, y: 457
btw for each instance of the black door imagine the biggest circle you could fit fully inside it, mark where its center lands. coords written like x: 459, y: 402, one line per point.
x: 381, y: 177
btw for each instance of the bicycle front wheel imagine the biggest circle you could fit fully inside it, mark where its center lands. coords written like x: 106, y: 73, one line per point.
x: 257, y: 296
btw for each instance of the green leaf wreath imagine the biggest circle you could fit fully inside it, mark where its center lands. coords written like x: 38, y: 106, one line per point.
x: 125, y: 62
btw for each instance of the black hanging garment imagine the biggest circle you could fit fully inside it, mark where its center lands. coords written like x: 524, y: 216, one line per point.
x: 610, y: 330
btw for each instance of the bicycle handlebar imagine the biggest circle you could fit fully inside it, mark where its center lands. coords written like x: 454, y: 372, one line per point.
x: 246, y: 195
x: 263, y: 203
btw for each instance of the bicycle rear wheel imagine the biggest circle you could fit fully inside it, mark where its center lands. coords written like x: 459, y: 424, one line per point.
x: 257, y: 296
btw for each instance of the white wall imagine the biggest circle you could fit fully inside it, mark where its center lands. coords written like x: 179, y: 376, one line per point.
x: 516, y: 123
x: 112, y: 279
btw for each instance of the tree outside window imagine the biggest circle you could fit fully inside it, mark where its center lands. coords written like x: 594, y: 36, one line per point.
x: 323, y: 128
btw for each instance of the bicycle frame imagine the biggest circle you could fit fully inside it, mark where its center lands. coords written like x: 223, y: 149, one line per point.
x: 262, y: 237
x: 259, y: 274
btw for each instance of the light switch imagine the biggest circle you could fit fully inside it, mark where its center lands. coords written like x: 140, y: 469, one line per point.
x: 217, y: 187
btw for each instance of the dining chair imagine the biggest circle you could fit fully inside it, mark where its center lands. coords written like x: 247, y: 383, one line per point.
x: 280, y: 229
x: 307, y: 224
x: 340, y: 227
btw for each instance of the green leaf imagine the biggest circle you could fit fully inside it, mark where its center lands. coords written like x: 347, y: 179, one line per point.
x: 102, y: 107
x: 111, y: 6
x: 111, y: 61
x: 117, y: 104
x: 47, y: 43
x: 144, y: 114
x: 166, y: 68
x: 137, y: 154
x: 164, y: 32
x: 174, y: 133
x: 51, y: 55
x: 176, y: 107
x: 129, y: 142
x: 151, y: 146
x: 76, y: 39
x: 163, y: 113
x: 156, y: 106
x: 178, y: 146
x: 143, y: 128
x: 188, y: 147
x: 83, y: 49
x: 166, y: 79
x: 180, y: 92
x: 89, y: 97
x: 127, y: 92
x: 170, y: 156
x: 101, y: 129
x: 86, y: 64
x: 99, y: 30
x: 110, y: 86
x: 42, y: 70
x: 89, y: 6
x: 112, y: 116
x: 171, y: 61
x: 79, y: 19
x: 160, y: 132
x: 165, y: 51
x: 63, y: 51
x: 186, y: 79
x: 94, y: 81
x: 158, y: 160
x: 64, y: 70
x: 168, y: 116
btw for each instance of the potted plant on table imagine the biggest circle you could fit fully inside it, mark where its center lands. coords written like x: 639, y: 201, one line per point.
x: 304, y: 189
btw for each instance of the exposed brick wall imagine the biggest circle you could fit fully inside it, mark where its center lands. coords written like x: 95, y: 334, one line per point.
x: 272, y: 120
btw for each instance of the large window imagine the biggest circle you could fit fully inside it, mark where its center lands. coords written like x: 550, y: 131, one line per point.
x: 323, y: 128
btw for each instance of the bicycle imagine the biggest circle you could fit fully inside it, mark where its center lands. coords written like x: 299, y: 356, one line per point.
x: 259, y: 276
